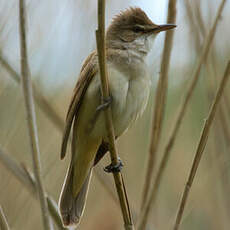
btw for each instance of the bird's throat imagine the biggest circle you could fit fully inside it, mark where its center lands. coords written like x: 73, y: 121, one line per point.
x: 140, y: 47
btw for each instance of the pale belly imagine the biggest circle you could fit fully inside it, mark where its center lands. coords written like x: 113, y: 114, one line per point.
x: 129, y: 102
x: 129, y: 99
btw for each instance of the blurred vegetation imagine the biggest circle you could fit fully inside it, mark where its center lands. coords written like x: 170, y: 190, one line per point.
x: 60, y: 36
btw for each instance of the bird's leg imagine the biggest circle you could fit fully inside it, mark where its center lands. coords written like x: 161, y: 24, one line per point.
x: 114, y: 168
x: 106, y: 103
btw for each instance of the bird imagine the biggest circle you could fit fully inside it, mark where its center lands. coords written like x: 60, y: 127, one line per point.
x: 129, y: 39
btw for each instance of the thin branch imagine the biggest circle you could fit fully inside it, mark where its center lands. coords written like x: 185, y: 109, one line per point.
x: 182, y: 110
x: 27, y: 179
x: 31, y: 117
x: 210, y: 81
x: 3, y: 221
x: 221, y: 118
x: 160, y: 102
x: 100, y: 37
x: 211, y: 68
x: 201, y: 147
x: 221, y: 125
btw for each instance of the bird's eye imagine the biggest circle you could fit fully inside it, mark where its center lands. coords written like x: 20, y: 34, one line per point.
x: 138, y: 28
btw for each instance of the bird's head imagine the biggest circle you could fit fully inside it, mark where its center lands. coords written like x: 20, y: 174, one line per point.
x: 133, y: 28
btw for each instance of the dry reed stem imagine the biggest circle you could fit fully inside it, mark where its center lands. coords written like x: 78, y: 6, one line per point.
x: 31, y: 117
x: 100, y: 38
x: 201, y: 31
x: 201, y: 147
x: 27, y: 179
x: 3, y: 221
x: 183, y: 108
x: 160, y: 102
x: 221, y: 127
x: 220, y: 116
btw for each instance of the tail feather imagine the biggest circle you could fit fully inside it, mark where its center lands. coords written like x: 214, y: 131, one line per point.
x: 71, y: 206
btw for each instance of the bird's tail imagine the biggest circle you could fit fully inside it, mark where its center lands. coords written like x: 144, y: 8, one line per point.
x: 72, y: 206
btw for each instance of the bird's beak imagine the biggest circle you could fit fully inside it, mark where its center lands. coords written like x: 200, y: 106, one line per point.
x: 159, y: 28
x: 164, y: 27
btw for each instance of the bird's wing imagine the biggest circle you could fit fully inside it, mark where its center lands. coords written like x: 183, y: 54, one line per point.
x: 88, y: 71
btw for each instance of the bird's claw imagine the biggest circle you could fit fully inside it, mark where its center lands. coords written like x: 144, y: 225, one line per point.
x: 114, y: 168
x: 106, y: 103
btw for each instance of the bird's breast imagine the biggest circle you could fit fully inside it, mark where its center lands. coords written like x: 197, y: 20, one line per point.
x: 130, y: 92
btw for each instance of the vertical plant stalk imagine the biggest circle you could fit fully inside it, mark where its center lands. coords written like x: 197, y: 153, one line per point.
x: 31, y: 117
x: 160, y: 102
x: 211, y: 82
x: 100, y: 37
x: 221, y: 125
x: 201, y: 147
x: 182, y: 110
x: 3, y: 221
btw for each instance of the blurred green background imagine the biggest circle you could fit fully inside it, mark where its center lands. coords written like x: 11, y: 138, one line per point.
x: 60, y: 36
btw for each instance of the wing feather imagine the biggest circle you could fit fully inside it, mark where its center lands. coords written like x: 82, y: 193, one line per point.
x: 88, y: 71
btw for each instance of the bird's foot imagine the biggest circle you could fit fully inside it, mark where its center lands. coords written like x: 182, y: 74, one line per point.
x: 114, y: 168
x: 106, y: 103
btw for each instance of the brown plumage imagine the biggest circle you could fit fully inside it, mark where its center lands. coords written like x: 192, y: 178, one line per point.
x: 128, y: 18
x: 88, y: 71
